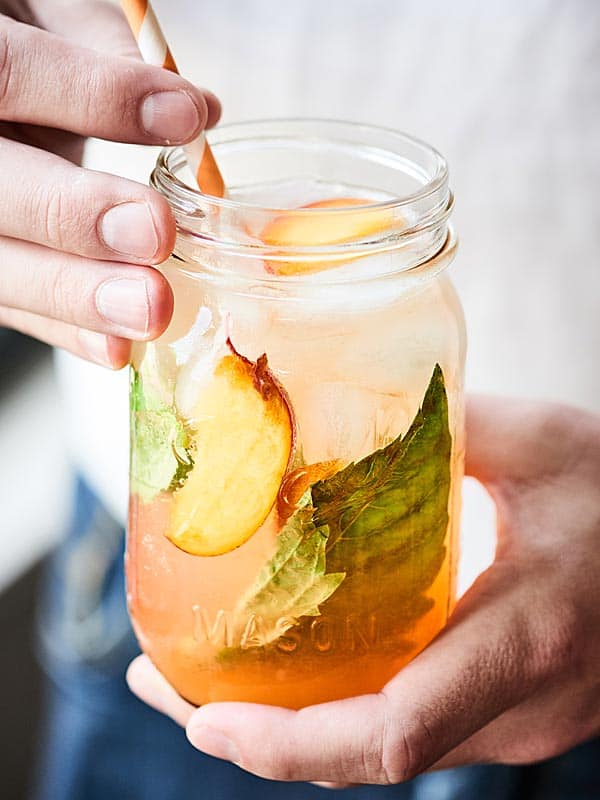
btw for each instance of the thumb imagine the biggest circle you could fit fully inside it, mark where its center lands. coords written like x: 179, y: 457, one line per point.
x: 471, y: 674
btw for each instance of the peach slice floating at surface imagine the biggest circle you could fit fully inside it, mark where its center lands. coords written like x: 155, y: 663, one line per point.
x: 297, y: 482
x: 243, y: 442
x: 318, y: 230
x: 315, y: 230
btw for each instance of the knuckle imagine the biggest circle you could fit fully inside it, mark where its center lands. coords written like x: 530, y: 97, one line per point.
x: 60, y: 218
x: 125, y: 85
x: 90, y: 88
x: 527, y: 653
x: 120, y: 86
x: 55, y: 292
x: 406, y: 750
x: 60, y: 292
x: 96, y: 88
x: 54, y: 214
x: 64, y: 214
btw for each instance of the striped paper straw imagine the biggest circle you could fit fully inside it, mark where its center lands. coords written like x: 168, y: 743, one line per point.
x: 155, y: 50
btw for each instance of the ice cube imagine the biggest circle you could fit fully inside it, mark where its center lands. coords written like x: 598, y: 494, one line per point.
x: 186, y: 346
x: 343, y: 421
x: 197, y: 372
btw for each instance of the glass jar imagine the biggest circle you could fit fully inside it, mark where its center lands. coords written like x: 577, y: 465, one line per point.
x: 297, y: 432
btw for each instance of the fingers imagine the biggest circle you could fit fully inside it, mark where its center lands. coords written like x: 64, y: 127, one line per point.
x: 483, y: 664
x: 122, y: 300
x: 110, y: 33
x: 213, y: 105
x: 53, y: 202
x: 108, y: 351
x: 46, y: 80
x: 148, y: 684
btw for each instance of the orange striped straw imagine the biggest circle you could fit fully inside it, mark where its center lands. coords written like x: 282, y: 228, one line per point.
x: 155, y: 50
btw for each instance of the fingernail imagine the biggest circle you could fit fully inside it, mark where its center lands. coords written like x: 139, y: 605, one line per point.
x: 129, y: 230
x: 94, y: 346
x: 214, y: 743
x: 170, y: 116
x: 124, y: 302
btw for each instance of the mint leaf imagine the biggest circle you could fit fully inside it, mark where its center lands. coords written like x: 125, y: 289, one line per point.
x: 160, y: 444
x: 293, y: 584
x: 388, y: 516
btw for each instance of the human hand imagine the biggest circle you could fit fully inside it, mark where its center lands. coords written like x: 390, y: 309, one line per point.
x: 512, y: 679
x: 75, y: 245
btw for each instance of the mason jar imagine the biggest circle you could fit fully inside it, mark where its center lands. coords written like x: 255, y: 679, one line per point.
x: 297, y: 432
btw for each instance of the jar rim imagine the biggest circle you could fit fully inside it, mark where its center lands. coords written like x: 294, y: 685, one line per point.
x: 165, y: 179
x: 340, y: 155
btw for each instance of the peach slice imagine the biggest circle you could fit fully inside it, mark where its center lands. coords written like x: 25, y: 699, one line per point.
x: 243, y: 442
x: 297, y: 482
x: 317, y: 230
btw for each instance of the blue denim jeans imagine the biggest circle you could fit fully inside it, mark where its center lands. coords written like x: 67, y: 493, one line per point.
x: 101, y: 743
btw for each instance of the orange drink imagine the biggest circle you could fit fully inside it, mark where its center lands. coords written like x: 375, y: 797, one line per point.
x: 297, y: 432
